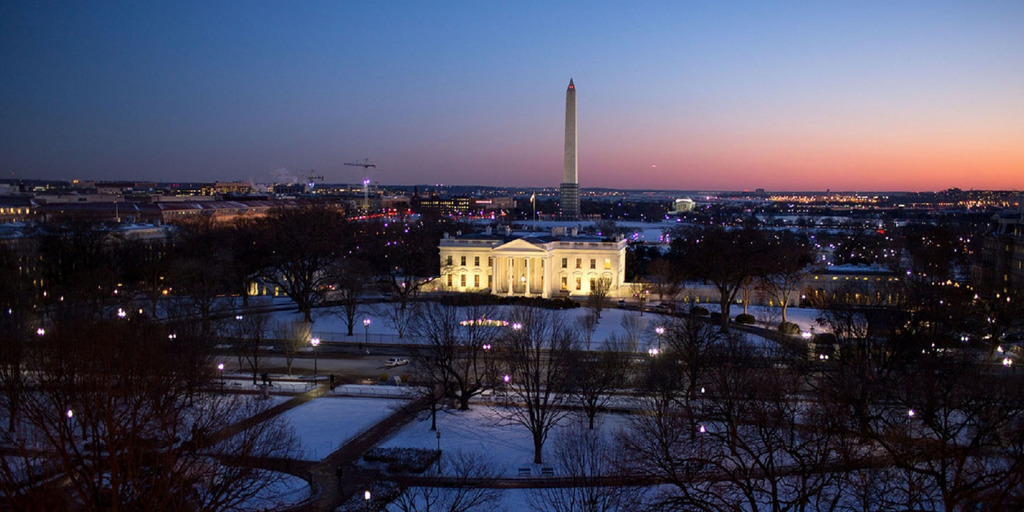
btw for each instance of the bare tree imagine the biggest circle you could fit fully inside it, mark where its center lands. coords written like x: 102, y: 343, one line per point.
x: 953, y: 423
x: 586, y: 325
x: 634, y: 327
x: 303, y: 244
x: 664, y: 278
x: 785, y: 268
x: 534, y: 353
x: 466, y: 469
x: 458, y: 340
x: 401, y: 316
x: 18, y: 323
x: 250, y: 332
x: 726, y: 258
x: 351, y: 279
x: 294, y: 337
x: 595, y: 375
x: 597, y: 295
x: 583, y: 456
x: 111, y: 417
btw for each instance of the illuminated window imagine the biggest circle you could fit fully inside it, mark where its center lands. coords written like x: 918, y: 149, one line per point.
x: 476, y: 281
x: 490, y: 261
x: 462, y: 280
x: 449, y: 280
x: 579, y: 264
x: 565, y: 283
x: 607, y: 264
x: 490, y: 281
x: 579, y: 283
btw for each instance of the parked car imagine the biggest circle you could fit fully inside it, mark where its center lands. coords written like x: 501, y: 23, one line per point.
x: 395, y: 361
x: 662, y: 307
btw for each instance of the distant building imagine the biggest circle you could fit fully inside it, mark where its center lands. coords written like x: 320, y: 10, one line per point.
x: 1002, y: 254
x: 461, y: 205
x: 17, y: 208
x: 228, y: 187
x: 118, y: 187
x: 682, y: 205
x: 532, y: 265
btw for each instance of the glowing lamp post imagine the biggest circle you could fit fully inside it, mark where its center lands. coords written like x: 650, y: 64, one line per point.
x: 366, y: 497
x: 316, y: 343
x: 366, y: 331
x: 659, y: 330
x: 220, y: 369
x: 506, y: 378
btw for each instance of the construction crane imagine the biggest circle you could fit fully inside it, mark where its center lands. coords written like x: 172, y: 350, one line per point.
x: 312, y: 176
x: 366, y: 165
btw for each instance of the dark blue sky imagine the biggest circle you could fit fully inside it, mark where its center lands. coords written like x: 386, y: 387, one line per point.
x: 690, y: 95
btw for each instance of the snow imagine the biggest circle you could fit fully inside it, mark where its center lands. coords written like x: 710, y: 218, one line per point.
x: 324, y: 424
x: 481, y: 431
x: 286, y: 492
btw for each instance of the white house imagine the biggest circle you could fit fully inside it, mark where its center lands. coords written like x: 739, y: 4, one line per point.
x: 531, y: 264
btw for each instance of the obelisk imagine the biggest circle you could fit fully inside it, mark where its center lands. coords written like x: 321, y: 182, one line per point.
x: 570, y: 189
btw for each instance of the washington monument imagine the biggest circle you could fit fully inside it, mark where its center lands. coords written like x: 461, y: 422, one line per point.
x: 570, y: 190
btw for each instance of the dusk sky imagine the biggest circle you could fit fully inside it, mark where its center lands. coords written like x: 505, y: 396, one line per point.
x: 811, y: 95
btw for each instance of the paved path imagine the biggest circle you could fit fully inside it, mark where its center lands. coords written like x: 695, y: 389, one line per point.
x: 355, y: 480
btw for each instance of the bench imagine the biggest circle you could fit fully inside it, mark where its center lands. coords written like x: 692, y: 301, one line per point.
x: 547, y: 471
x: 524, y: 471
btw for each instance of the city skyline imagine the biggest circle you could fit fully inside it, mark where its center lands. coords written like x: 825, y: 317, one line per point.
x: 870, y: 97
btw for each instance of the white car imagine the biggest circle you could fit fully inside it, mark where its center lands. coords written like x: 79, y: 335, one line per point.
x: 395, y: 361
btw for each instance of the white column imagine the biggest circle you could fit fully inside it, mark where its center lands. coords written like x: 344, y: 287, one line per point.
x: 511, y: 274
x: 546, y: 288
x: 529, y: 277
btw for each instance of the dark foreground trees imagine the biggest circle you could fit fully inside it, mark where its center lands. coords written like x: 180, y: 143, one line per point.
x: 110, y: 425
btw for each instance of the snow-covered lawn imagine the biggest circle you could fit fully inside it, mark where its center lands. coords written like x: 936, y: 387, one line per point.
x: 324, y: 424
x: 286, y: 492
x: 615, y: 324
x: 480, y: 431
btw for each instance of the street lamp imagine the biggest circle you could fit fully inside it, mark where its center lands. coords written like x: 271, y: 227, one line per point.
x: 652, y: 351
x: 366, y: 496
x: 121, y: 313
x: 438, y: 441
x: 659, y: 330
x: 506, y: 378
x: 41, y: 332
x: 366, y: 331
x: 316, y: 343
x: 1007, y: 362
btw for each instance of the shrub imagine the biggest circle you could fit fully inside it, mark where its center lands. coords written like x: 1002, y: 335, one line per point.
x: 383, y: 377
x: 699, y: 311
x: 744, y: 318
x: 789, y: 328
x: 401, y: 460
